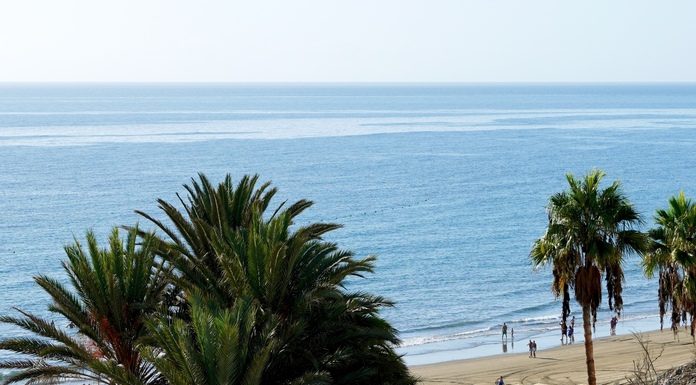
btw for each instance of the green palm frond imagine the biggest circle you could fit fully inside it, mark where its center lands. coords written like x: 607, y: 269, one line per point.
x: 112, y: 291
x: 672, y: 255
x: 227, y: 242
x: 217, y: 347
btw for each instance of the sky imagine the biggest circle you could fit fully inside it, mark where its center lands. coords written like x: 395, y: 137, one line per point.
x: 347, y: 41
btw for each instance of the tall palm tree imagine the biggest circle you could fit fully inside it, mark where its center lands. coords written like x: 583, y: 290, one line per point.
x: 672, y: 254
x: 112, y: 292
x: 225, y: 244
x: 591, y: 229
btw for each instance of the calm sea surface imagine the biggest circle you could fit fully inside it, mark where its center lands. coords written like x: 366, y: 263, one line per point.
x: 445, y: 184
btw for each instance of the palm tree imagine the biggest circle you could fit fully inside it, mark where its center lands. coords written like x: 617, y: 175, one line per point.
x: 113, y: 292
x: 215, y: 347
x: 590, y: 230
x: 672, y: 254
x: 225, y: 244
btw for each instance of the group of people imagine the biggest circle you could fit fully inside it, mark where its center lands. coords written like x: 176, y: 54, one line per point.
x: 567, y: 336
x: 532, y: 348
x: 568, y: 331
x: 612, y: 324
x: 532, y: 344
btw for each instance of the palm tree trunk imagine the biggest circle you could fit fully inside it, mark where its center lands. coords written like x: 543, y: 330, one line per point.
x: 589, y: 350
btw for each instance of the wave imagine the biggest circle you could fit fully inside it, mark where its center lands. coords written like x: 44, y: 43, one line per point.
x: 637, y: 317
x: 431, y: 339
x: 550, y: 318
x: 524, y: 327
x: 440, y: 326
x: 530, y: 310
x: 542, y: 318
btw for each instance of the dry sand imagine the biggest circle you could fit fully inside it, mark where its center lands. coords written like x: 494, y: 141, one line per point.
x: 614, y: 358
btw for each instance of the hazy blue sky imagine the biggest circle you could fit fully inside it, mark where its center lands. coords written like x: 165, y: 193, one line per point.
x: 348, y: 40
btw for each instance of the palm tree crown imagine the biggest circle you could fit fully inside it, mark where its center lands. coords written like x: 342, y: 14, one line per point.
x: 113, y: 291
x: 672, y: 255
x: 225, y: 244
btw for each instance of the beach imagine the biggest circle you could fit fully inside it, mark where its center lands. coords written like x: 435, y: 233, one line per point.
x: 614, y: 360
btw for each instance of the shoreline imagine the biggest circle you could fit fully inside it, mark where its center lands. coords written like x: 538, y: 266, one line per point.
x: 614, y: 360
x: 490, y: 344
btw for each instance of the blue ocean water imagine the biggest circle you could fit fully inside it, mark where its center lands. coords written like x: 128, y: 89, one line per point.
x: 446, y: 184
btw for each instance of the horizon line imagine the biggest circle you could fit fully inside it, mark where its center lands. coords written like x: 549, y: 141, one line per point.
x: 355, y: 83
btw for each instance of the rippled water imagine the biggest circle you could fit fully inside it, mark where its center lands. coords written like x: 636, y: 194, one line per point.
x: 446, y: 184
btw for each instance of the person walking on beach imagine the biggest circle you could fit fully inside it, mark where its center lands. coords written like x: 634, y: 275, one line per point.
x: 564, y: 332
x: 534, y: 348
x: 571, y: 337
x: 500, y: 381
x: 675, y: 330
x: 531, y: 348
x: 504, y: 336
x: 612, y: 324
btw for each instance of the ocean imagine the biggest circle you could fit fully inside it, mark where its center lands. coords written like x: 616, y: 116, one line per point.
x: 446, y: 184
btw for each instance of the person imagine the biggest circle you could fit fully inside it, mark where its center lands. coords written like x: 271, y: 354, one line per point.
x: 571, y: 338
x: 534, y: 348
x: 531, y: 348
x: 613, y: 323
x: 512, y: 333
x: 564, y: 331
x: 500, y: 381
x: 572, y: 322
x: 504, y: 336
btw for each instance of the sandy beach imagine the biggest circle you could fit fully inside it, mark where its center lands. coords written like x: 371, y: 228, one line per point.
x: 614, y: 358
